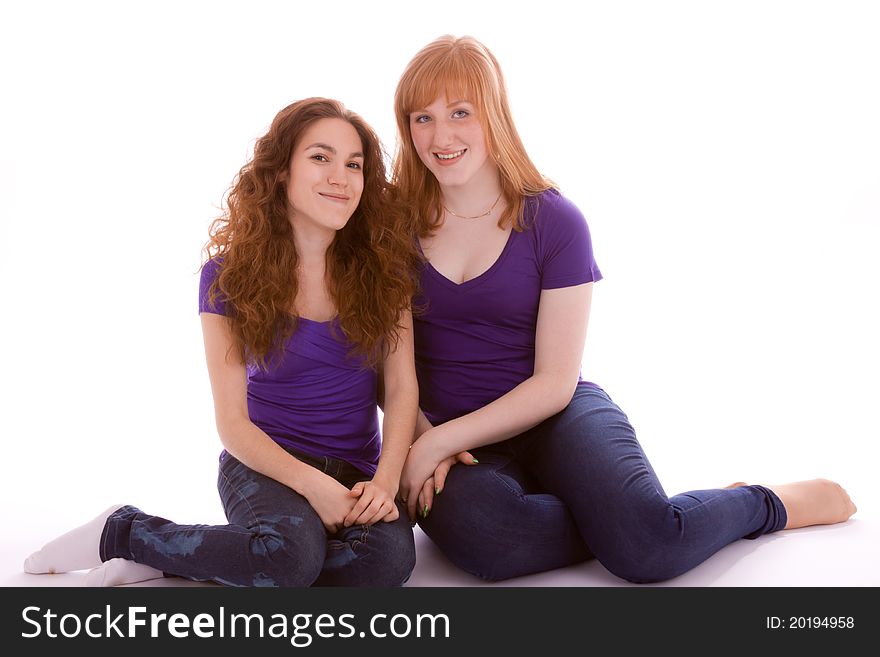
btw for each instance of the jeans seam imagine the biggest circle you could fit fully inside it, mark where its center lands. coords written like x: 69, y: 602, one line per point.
x: 243, y: 498
x: 365, y: 532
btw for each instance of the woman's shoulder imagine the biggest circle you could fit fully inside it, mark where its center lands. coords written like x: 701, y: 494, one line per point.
x: 210, y: 270
x: 211, y: 266
x: 552, y: 209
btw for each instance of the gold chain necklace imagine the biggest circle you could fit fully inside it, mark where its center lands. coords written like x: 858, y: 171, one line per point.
x: 485, y: 214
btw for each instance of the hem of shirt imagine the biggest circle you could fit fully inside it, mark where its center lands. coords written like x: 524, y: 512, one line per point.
x: 593, y: 277
x: 367, y: 467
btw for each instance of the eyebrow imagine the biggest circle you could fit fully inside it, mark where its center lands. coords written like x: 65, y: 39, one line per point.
x: 327, y: 147
x: 448, y: 105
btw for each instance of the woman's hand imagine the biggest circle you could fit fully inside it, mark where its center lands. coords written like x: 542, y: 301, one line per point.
x: 375, y: 502
x: 424, y: 466
x: 437, y: 482
x: 331, y: 500
x: 445, y: 466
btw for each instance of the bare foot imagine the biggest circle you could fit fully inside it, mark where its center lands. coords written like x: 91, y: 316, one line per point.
x: 814, y: 502
x: 736, y: 484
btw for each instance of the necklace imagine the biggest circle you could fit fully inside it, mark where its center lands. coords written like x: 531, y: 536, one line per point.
x: 485, y: 214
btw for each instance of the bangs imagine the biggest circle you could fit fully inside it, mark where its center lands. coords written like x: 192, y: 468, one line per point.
x: 449, y: 74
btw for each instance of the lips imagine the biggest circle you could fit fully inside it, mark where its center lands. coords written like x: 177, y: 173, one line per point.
x: 335, y: 197
x: 449, y: 157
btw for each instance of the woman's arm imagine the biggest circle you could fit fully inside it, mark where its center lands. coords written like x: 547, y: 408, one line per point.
x: 422, y: 422
x: 250, y: 444
x: 561, y: 329
x: 400, y: 407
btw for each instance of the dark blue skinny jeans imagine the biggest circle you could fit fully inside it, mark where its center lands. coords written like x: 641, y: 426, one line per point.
x: 579, y: 485
x: 275, y: 537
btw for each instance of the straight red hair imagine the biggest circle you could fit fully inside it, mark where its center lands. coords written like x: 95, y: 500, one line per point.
x: 461, y: 68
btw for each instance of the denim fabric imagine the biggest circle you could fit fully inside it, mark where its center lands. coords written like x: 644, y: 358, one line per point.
x: 579, y: 485
x: 275, y: 538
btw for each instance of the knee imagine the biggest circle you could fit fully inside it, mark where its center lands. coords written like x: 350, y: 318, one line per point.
x: 285, y: 560
x: 397, y: 560
x: 476, y: 552
x: 645, y: 565
x: 498, y: 564
x: 382, y: 555
x: 393, y: 573
x: 291, y: 570
x: 492, y: 567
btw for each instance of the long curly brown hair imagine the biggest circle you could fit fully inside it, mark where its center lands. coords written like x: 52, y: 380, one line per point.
x: 371, y: 262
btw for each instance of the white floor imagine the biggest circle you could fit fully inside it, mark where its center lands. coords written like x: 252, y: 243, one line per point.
x: 842, y: 555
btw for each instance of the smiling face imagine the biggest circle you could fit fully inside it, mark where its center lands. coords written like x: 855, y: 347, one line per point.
x: 450, y: 141
x: 325, y: 177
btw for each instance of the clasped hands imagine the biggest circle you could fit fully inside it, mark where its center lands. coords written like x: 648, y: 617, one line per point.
x: 367, y: 503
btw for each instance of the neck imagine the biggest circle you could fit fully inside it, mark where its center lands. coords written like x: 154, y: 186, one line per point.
x: 311, y: 247
x: 474, y: 197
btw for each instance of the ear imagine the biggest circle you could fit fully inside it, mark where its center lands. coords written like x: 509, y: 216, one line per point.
x: 284, y: 174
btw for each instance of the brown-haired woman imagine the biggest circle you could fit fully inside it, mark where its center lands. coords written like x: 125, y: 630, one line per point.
x: 304, y: 297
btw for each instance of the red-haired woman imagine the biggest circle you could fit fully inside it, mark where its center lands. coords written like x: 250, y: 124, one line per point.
x: 506, y: 285
x: 304, y: 298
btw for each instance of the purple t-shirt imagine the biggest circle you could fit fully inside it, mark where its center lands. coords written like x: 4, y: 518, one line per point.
x: 314, y: 397
x: 476, y: 340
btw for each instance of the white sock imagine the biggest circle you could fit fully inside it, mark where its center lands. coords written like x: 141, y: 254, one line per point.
x: 116, y: 572
x: 78, y: 549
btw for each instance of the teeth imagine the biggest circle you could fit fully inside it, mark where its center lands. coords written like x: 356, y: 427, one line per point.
x: 450, y: 156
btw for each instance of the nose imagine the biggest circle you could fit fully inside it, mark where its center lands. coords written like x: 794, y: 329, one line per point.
x: 443, y: 133
x: 336, y: 176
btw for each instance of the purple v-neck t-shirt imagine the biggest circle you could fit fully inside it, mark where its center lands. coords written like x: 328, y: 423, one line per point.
x: 475, y: 341
x: 313, y: 398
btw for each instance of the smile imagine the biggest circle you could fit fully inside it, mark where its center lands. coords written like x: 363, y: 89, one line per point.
x: 335, y: 197
x: 450, y: 156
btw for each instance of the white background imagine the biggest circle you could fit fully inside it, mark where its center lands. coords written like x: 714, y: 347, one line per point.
x: 725, y: 155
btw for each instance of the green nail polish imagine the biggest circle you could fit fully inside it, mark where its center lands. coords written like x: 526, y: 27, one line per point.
x: 425, y: 512
x: 437, y: 490
x: 475, y: 461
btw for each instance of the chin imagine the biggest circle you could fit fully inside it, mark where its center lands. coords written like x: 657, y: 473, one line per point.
x: 453, y: 179
x: 339, y: 225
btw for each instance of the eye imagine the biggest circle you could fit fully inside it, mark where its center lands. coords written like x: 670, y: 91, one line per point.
x: 421, y: 118
x: 460, y: 114
x: 355, y: 165
x: 320, y: 157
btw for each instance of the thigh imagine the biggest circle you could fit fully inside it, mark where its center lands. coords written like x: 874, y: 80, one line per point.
x: 494, y: 521
x: 589, y: 456
x: 273, y: 511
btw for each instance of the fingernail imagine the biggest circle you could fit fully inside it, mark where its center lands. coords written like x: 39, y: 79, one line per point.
x: 437, y: 490
x: 425, y: 512
x: 474, y: 461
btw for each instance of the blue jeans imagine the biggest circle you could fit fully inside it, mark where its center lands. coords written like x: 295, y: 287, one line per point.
x: 579, y: 485
x: 275, y: 537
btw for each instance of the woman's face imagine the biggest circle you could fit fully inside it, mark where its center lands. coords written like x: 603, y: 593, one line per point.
x: 450, y: 141
x: 325, y: 178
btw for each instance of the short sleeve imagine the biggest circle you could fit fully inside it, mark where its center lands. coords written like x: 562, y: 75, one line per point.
x: 566, y: 250
x: 210, y: 272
